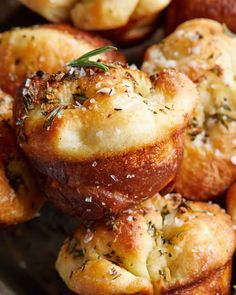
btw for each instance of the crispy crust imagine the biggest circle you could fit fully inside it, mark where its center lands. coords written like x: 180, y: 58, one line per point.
x: 147, y: 250
x: 217, y: 282
x: 204, y: 51
x: 124, y: 22
x: 180, y: 11
x: 106, y: 148
x: 231, y: 202
x: 215, y: 175
x: 154, y: 168
x: 20, y: 198
x: 26, y: 50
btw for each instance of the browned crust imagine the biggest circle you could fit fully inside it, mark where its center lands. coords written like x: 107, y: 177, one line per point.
x: 216, y: 282
x: 179, y: 11
x: 114, y: 178
x: 13, y: 70
x: 215, y: 175
x: 154, y: 168
x: 231, y: 202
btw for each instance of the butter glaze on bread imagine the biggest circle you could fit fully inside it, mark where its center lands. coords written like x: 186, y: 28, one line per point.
x: 118, y: 136
x: 223, y: 11
x: 24, y: 51
x: 20, y: 198
x: 165, y: 246
x: 205, y: 52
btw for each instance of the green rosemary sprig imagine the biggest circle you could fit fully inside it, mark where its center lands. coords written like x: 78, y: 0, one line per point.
x: 84, y: 62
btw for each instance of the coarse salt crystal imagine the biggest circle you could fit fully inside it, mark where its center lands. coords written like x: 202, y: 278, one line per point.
x: 117, y: 131
x: 27, y: 82
x: 130, y: 176
x: 82, y: 73
x: 42, y: 58
x: 114, y: 178
x: 88, y: 199
x: 214, y: 86
x: 195, y: 50
x: 180, y: 33
x: 170, y: 63
x: 178, y: 221
x: 233, y: 159
x: 71, y: 71
x: 92, y: 100
x: 99, y: 133
x: 94, y: 164
x: 88, y: 237
x: 105, y: 90
x: 130, y: 218
x: 98, y: 85
x: 218, y: 153
x: 133, y: 67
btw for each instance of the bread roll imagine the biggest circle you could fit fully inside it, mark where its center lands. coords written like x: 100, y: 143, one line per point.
x: 124, y: 22
x: 25, y: 51
x: 165, y: 246
x: 205, y: 52
x: 20, y: 197
x: 107, y: 138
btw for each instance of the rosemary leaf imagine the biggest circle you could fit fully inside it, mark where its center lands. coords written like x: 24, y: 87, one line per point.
x: 84, y: 62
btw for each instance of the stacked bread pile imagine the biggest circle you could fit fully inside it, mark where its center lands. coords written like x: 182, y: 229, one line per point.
x: 133, y: 153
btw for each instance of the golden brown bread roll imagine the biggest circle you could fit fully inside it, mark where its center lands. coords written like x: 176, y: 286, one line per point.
x: 206, y: 54
x: 134, y: 19
x: 57, y: 11
x: 107, y: 138
x: 20, y: 198
x: 180, y: 11
x: 231, y: 202
x: 48, y: 48
x: 165, y: 246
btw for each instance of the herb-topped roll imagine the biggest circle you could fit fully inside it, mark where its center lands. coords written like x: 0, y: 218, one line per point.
x: 20, y: 198
x: 49, y: 47
x: 165, y: 246
x: 205, y: 52
x: 107, y: 135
